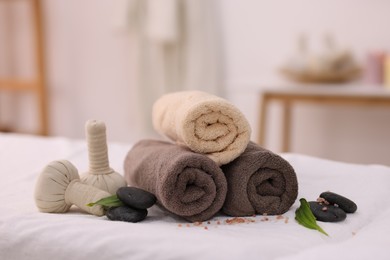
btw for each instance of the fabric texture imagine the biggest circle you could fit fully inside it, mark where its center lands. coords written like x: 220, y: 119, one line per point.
x: 204, y: 123
x: 185, y: 183
x: 259, y: 182
x: 58, y: 188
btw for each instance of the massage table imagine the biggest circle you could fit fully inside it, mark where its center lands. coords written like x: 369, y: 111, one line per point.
x: 26, y: 233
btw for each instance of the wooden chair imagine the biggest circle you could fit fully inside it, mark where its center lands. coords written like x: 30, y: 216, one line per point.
x: 37, y: 84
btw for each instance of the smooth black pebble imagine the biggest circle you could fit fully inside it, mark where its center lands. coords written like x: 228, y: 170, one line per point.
x: 345, y: 204
x: 327, y: 213
x: 124, y: 213
x: 136, y: 198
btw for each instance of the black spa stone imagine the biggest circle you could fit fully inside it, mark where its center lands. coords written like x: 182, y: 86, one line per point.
x: 124, y: 213
x: 136, y: 198
x: 327, y: 213
x: 344, y: 203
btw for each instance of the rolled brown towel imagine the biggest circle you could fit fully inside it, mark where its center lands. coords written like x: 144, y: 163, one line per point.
x: 185, y: 183
x: 259, y: 182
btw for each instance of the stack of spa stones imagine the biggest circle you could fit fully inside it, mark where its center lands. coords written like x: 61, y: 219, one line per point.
x: 136, y: 202
x: 332, y: 207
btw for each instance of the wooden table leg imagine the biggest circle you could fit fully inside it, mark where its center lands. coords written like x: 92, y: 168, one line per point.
x: 286, y: 131
x: 263, y: 119
x: 41, y: 77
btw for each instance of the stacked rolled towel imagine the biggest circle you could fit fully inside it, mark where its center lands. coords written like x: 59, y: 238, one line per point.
x: 185, y: 183
x: 259, y: 182
x: 205, y: 123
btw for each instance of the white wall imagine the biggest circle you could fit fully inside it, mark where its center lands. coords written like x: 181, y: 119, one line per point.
x: 260, y: 35
x: 90, y: 73
x: 91, y: 70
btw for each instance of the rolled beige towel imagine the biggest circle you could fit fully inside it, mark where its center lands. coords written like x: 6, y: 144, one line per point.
x: 205, y: 123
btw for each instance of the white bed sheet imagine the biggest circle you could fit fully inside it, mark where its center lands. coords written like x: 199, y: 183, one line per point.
x: 26, y: 233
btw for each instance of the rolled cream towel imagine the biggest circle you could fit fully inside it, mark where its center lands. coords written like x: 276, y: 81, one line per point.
x: 203, y: 122
x: 185, y: 183
x: 259, y: 182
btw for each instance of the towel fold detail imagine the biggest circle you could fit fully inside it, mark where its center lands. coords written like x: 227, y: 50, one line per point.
x: 204, y: 123
x: 185, y: 183
x: 259, y: 182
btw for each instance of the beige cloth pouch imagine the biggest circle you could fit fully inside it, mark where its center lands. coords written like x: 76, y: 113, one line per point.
x: 58, y: 188
x: 100, y: 174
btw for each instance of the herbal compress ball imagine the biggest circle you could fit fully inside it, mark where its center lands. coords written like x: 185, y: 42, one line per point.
x: 59, y: 187
x: 100, y: 174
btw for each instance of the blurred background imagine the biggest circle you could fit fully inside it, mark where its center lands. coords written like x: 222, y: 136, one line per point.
x: 109, y: 60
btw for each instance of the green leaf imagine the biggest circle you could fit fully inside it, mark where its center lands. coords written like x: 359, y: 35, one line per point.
x: 305, y: 217
x: 107, y: 202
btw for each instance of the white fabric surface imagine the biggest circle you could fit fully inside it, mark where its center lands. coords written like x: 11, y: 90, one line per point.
x: 25, y: 233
